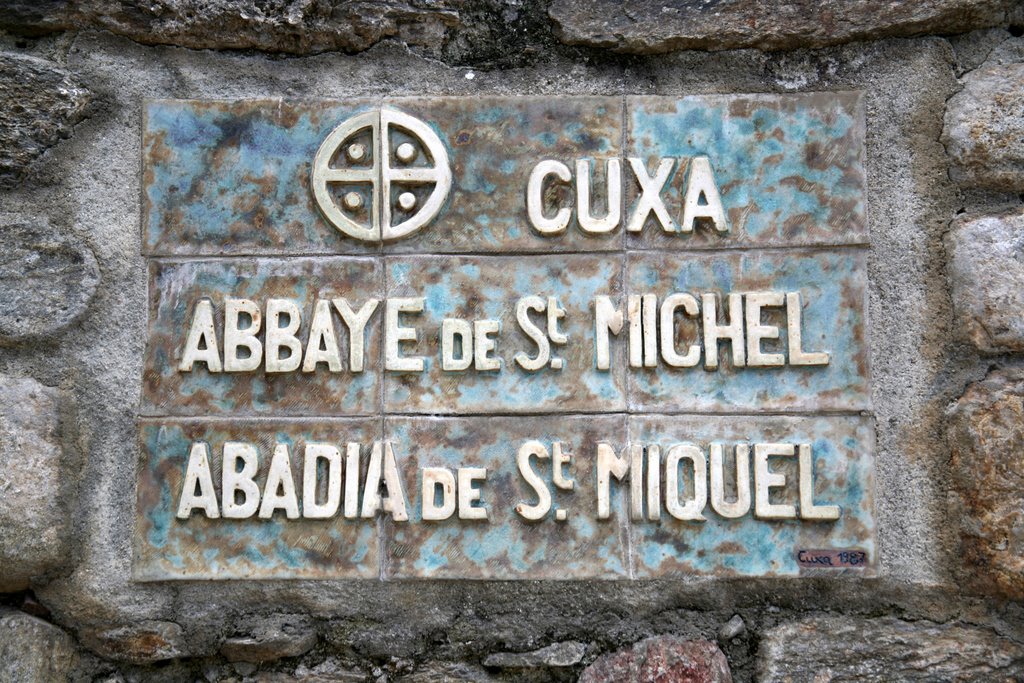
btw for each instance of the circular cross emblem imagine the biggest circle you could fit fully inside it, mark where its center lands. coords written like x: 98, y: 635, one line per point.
x: 381, y: 175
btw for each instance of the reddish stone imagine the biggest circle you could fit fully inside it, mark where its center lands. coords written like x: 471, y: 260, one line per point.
x: 986, y: 438
x: 662, y: 659
x: 142, y: 643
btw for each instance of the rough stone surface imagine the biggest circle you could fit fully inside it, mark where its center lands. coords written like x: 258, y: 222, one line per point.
x: 986, y: 272
x: 974, y: 48
x: 272, y: 638
x: 275, y: 677
x: 984, y: 127
x: 330, y: 670
x: 554, y: 655
x: 142, y: 643
x: 444, y: 672
x: 33, y: 519
x: 653, y: 26
x: 42, y: 103
x: 731, y: 629
x: 463, y: 30
x: 33, y: 651
x: 917, y: 369
x: 987, y: 438
x: 843, y: 648
x: 46, y: 279
x: 277, y: 26
x: 668, y: 659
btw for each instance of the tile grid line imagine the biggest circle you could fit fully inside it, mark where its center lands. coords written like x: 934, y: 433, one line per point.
x: 696, y: 251
x: 628, y: 379
x: 383, y: 542
x: 626, y: 260
x: 467, y: 416
x: 623, y: 253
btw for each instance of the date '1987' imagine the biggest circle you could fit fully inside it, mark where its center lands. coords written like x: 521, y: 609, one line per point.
x: 835, y: 559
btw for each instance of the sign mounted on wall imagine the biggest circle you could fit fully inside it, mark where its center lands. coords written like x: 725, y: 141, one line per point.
x: 593, y: 337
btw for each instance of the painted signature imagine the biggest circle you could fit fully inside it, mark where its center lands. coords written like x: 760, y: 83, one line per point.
x: 832, y: 558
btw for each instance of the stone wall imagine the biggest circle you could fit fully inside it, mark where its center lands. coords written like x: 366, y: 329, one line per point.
x: 944, y: 87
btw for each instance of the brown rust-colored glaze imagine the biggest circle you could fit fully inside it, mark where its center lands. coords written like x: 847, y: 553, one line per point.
x: 232, y: 177
x: 494, y: 143
x: 482, y: 287
x: 166, y: 547
x: 175, y: 288
x: 506, y: 546
x: 790, y: 168
x: 843, y: 453
x: 230, y: 182
x: 833, y: 289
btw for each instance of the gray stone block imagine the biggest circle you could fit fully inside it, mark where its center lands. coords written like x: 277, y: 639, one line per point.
x: 843, y: 648
x: 33, y: 519
x: 272, y: 638
x: 986, y: 273
x: 651, y: 27
x: 34, y: 651
x: 448, y: 672
x: 984, y: 126
x: 46, y: 279
x: 554, y: 655
x: 292, y: 27
x: 49, y: 102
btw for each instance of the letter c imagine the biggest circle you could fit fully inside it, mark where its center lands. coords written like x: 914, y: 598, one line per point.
x: 535, y: 198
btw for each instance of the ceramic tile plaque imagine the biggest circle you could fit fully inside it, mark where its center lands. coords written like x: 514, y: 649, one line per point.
x: 506, y: 338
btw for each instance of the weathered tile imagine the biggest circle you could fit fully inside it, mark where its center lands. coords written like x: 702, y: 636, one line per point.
x: 234, y: 183
x: 843, y: 456
x: 481, y: 287
x: 235, y: 177
x: 494, y: 143
x: 790, y: 168
x: 832, y: 287
x: 224, y: 177
x: 506, y: 546
x: 175, y: 288
x: 167, y: 547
